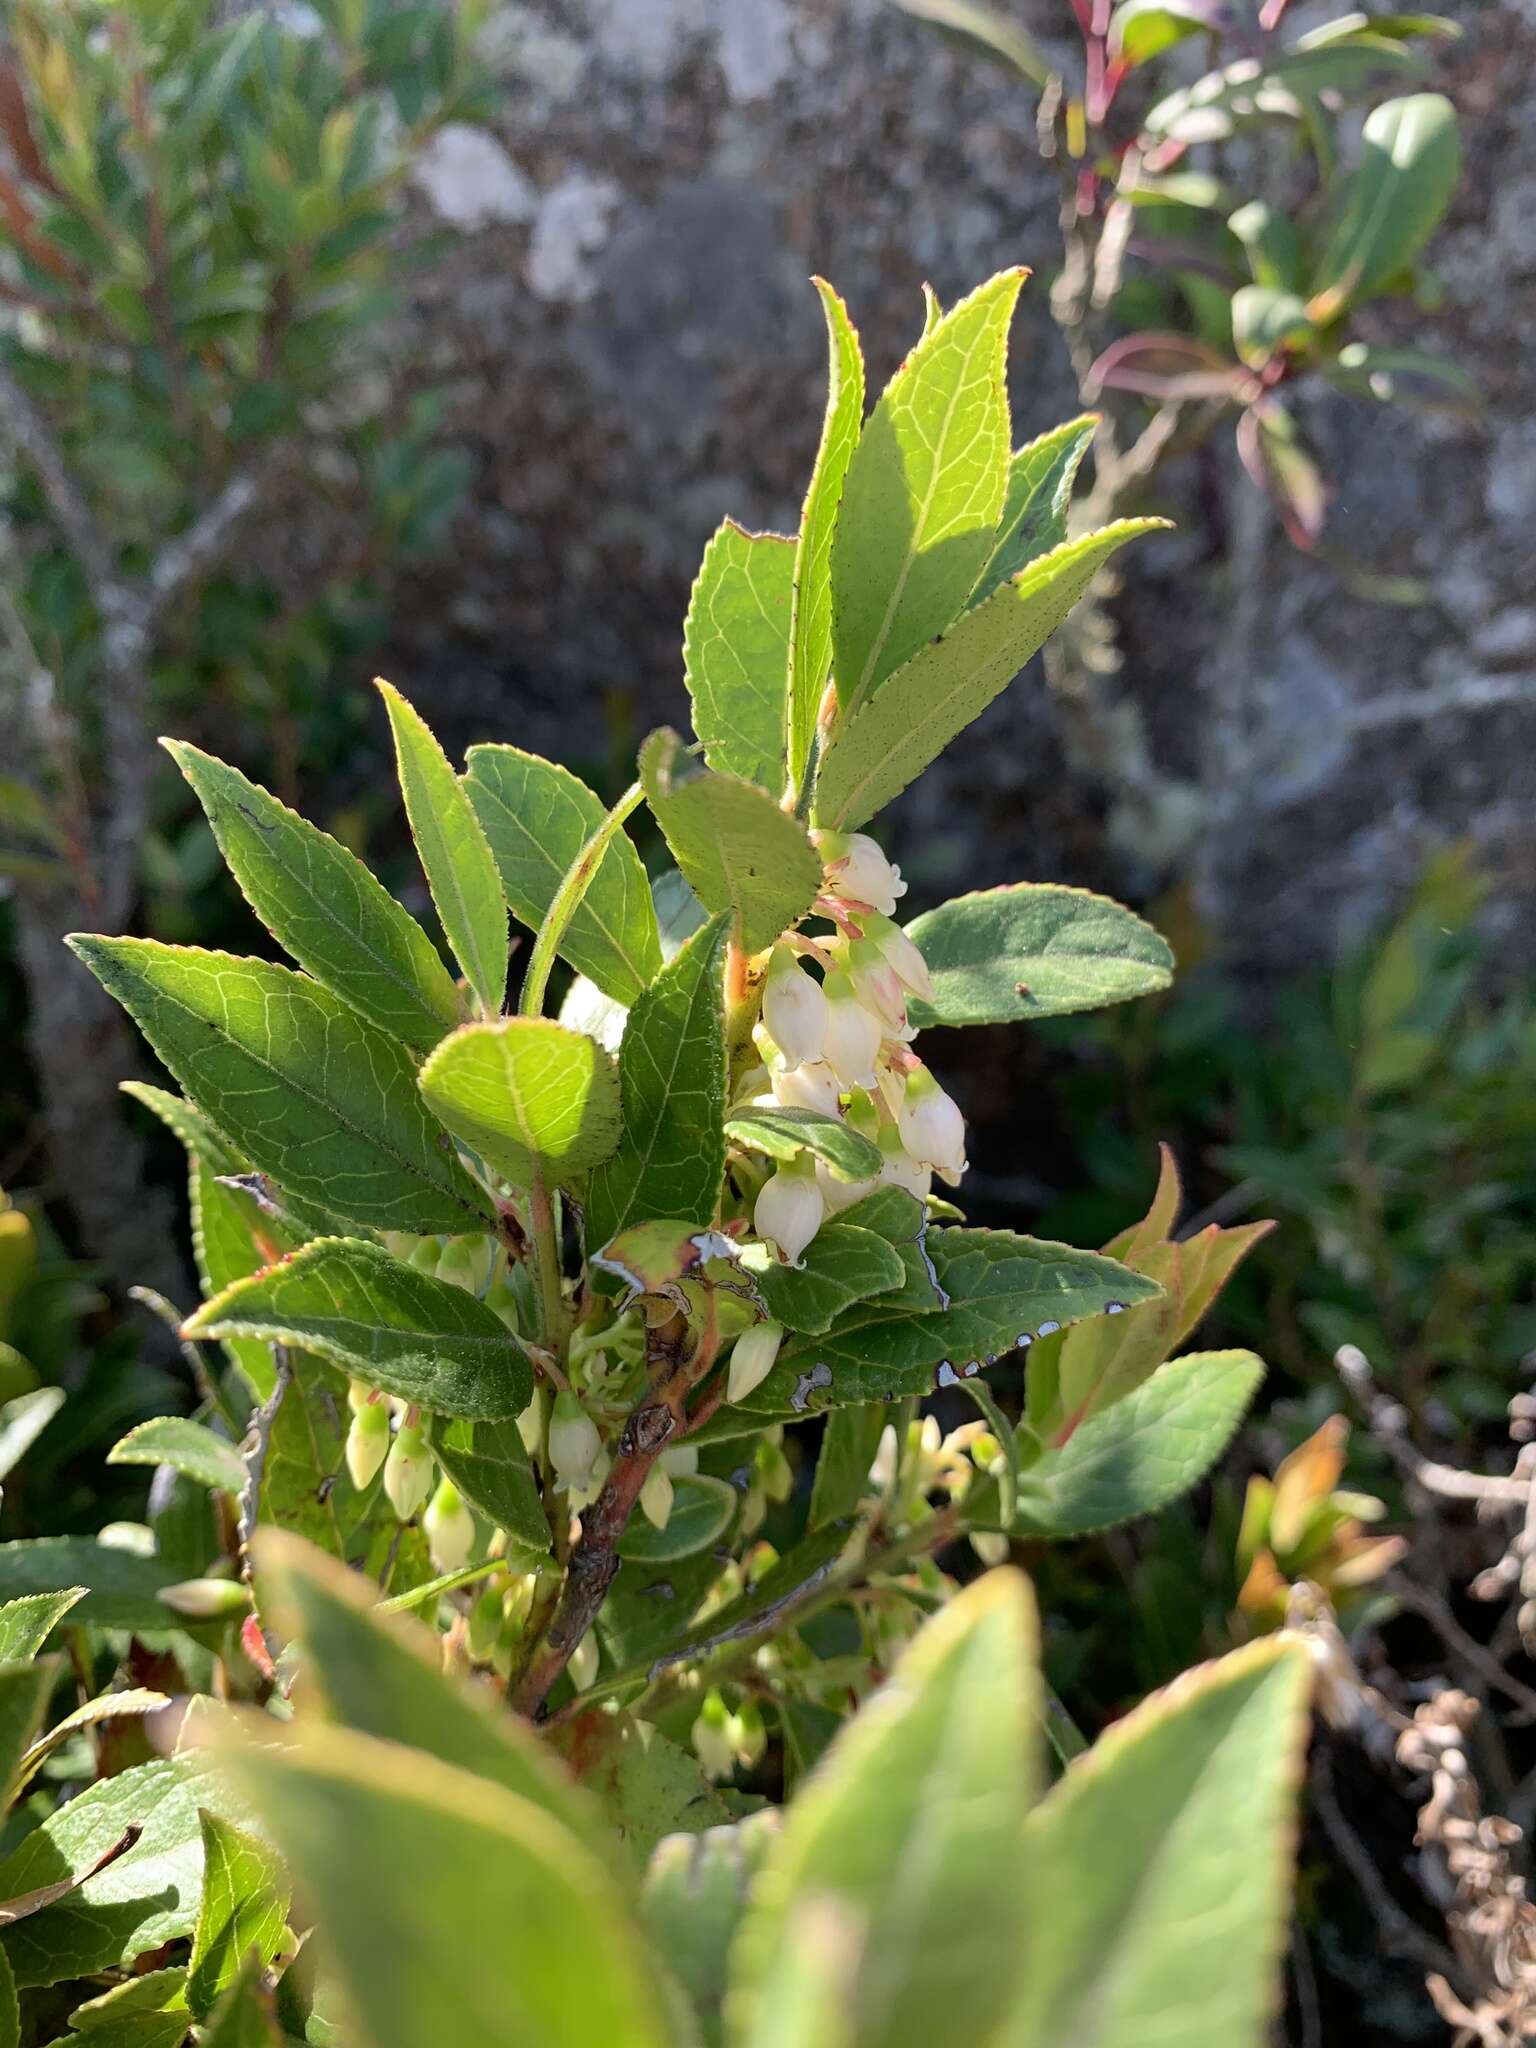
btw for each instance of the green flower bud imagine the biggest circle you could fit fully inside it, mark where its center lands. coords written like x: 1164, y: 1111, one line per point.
x: 713, y: 1738
x: 207, y: 1599
x: 449, y: 1527
x: 467, y: 1262
x: 408, y: 1470
x: 574, y: 1443
x: 656, y: 1497
x: 752, y: 1359
x: 749, y: 1737
x: 367, y: 1443
x: 584, y: 1662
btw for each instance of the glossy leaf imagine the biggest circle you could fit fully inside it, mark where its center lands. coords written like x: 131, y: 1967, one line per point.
x: 516, y: 1931
x: 537, y: 817
x: 810, y: 654
x: 785, y: 1133
x: 672, y: 1076
x: 528, y: 1096
x: 244, y: 1909
x: 736, y: 652
x: 1404, y: 376
x: 24, y: 1691
x: 1002, y: 1290
x: 1410, y: 162
x: 455, y: 857
x: 1142, y: 1453
x: 1034, y: 518
x: 1033, y: 949
x: 913, y: 1827
x: 189, y: 1446
x: 842, y: 1265
x: 1159, y: 1867
x: 702, y: 1509
x: 902, y: 1221
x: 311, y: 1093
x: 738, y: 851
x: 323, y: 906
x: 893, y: 737
x: 923, y: 494
x: 382, y: 1321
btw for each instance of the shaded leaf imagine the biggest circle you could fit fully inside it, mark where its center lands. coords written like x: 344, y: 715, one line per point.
x: 1410, y: 162
x: 736, y: 652
x: 841, y: 1265
x: 122, y: 1586
x: 647, y: 1786
x: 848, y: 1446
x: 488, y: 1463
x: 1034, y: 517
x: 986, y: 28
x: 244, y: 1909
x: 702, y: 1509
x: 785, y: 1133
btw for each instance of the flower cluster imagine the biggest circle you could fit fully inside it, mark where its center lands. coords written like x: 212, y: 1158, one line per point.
x: 835, y: 1036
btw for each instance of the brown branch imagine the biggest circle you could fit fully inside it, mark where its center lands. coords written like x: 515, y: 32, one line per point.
x: 1388, y: 1421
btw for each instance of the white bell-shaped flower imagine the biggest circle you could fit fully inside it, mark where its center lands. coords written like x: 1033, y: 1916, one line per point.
x: 838, y: 1194
x: 789, y: 1210
x: 794, y: 1009
x: 858, y: 870
x: 449, y: 1528
x: 899, y: 1169
x: 752, y: 1359
x: 853, y: 1034
x: 574, y: 1443
x: 811, y: 1085
x: 932, y: 1128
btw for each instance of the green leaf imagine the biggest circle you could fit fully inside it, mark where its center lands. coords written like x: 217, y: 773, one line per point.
x: 1264, y: 319
x: 980, y: 27
x: 738, y: 851
x: 191, y: 1447
x: 1404, y: 376
x: 1145, y: 28
x: 455, y: 857
x: 233, y: 1234
x: 26, y: 1623
x: 1394, y: 201
x: 696, y: 1887
x: 1034, y: 519
x: 848, y: 1446
x: 538, y: 817
x: 1003, y: 1290
x: 1143, y: 1452
x: 810, y: 637
x: 323, y: 906
x: 146, y: 2012
x: 10, y: 2009
x: 243, y: 2017
x: 143, y: 1898
x: 1272, y: 244
x: 762, y: 1608
x: 244, y: 1909
x: 122, y: 1586
x: 784, y: 1133
x: 1159, y: 1867
x: 647, y: 1786
x: 842, y: 1265
x: 382, y: 1678
x: 891, y: 739
x: 488, y: 1462
x: 1033, y: 949
x: 382, y: 1321
x: 672, y: 1077
x: 303, y: 1476
x: 923, y: 494
x: 736, y: 652
x: 912, y: 1827
x: 516, y: 1931
x: 902, y: 1221
x: 312, y: 1094
x: 528, y: 1095
x: 24, y: 1690
x: 701, y: 1509
x: 23, y: 1421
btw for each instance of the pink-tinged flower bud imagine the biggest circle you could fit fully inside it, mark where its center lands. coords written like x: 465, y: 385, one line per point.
x: 574, y: 1443
x: 367, y: 1443
x: 656, y: 1497
x: 584, y: 1662
x: 449, y: 1528
x: 853, y: 1034
x: 408, y: 1470
x: 207, y: 1599
x: 856, y: 868
x: 932, y: 1128
x: 789, y: 1211
x: 900, y: 955
x: 713, y: 1737
x: 812, y: 1085
x: 878, y: 986
x: 752, y: 1359
x: 794, y: 1009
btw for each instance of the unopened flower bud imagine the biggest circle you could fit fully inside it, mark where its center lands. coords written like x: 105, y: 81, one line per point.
x: 207, y: 1599
x: 990, y: 1545
x: 794, y: 1009
x: 789, y: 1210
x: 775, y: 1472
x: 856, y: 868
x: 752, y: 1359
x: 899, y: 1169
x: 811, y: 1085
x: 425, y: 1255
x: 681, y: 1460
x: 359, y: 1394
x: 878, y: 986
x: 749, y: 1738
x: 900, y: 955
x: 584, y: 1662
x: 530, y: 1425
x: 367, y: 1442
x: 574, y: 1443
x: 656, y: 1497
x: 852, y: 1042
x: 408, y: 1470
x: 467, y: 1262
x: 932, y: 1128
x: 449, y: 1527
x: 839, y: 1194
x: 712, y: 1737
